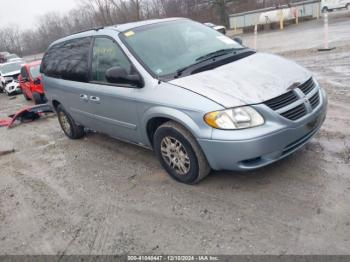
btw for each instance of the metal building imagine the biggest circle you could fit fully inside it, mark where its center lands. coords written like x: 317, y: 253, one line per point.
x: 306, y: 9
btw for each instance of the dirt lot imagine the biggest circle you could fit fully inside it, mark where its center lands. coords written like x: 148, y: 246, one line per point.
x: 102, y: 196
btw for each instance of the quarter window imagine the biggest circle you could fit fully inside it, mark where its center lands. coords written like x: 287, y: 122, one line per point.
x: 68, y: 60
x: 107, y: 54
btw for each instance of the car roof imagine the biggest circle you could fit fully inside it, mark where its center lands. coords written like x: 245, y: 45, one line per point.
x: 117, y: 28
x: 129, y: 26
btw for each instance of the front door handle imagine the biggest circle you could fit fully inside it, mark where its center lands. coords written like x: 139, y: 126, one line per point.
x: 84, y: 98
x: 95, y: 99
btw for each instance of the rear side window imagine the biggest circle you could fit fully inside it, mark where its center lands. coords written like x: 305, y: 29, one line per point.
x: 68, y: 60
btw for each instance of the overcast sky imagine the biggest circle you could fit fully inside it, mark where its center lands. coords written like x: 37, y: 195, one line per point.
x: 24, y: 13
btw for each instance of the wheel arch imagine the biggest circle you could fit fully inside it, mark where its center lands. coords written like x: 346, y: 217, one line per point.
x: 55, y: 104
x: 155, y: 117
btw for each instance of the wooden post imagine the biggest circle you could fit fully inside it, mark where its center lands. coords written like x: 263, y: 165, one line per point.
x: 256, y: 36
x: 326, y: 35
x: 235, y: 25
x: 281, y: 20
x: 326, y: 30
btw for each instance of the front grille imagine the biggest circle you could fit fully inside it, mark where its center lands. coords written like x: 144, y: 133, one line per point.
x: 315, y: 100
x: 308, y: 86
x: 295, y: 113
x: 281, y: 101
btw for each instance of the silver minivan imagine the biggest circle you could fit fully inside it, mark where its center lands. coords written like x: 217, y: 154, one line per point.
x: 199, y: 99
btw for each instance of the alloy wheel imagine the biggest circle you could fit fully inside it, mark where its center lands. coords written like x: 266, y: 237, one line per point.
x: 175, y: 155
x: 65, y: 122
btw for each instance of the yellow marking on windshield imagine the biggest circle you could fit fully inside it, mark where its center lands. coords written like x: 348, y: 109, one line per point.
x: 129, y: 33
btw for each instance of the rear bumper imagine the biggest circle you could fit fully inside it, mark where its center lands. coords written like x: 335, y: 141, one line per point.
x: 264, y: 148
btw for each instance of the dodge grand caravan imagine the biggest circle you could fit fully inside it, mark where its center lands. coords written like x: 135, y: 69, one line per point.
x: 199, y: 99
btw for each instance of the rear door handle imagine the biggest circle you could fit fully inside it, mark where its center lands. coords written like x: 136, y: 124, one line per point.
x: 95, y: 99
x: 84, y: 98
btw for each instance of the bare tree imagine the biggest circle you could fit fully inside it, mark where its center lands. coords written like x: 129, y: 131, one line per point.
x: 136, y: 5
x: 92, y: 13
x: 10, y: 40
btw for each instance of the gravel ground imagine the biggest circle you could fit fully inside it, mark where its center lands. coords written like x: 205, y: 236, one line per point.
x: 102, y: 196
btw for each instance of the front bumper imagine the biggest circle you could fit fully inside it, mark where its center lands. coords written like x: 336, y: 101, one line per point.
x: 13, y: 88
x: 257, y: 147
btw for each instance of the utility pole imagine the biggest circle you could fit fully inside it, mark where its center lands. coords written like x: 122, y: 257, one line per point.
x: 221, y: 6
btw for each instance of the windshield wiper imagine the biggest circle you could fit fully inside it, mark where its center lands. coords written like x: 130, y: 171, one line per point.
x: 200, y: 60
x: 206, y: 57
x: 217, y: 53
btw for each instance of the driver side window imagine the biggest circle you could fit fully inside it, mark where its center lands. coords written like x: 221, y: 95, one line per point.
x: 106, y: 54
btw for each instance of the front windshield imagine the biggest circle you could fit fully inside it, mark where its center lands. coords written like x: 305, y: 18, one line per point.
x: 8, y: 68
x: 167, y: 47
x: 35, y: 71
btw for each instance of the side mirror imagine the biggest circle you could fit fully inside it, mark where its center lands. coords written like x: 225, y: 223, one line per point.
x: 37, y: 81
x: 118, y: 75
x: 238, y: 40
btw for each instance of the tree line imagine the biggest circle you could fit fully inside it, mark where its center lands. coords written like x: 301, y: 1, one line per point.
x: 93, y: 13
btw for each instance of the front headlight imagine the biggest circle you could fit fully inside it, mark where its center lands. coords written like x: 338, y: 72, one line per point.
x: 235, y: 118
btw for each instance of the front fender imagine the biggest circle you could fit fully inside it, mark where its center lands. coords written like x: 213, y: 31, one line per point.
x: 192, y: 120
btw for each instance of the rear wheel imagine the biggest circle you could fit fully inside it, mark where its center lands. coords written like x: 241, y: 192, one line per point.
x: 180, y: 154
x: 69, y: 127
x: 325, y: 9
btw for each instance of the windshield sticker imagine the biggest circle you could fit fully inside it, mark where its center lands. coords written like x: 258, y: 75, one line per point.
x: 226, y: 40
x: 129, y: 33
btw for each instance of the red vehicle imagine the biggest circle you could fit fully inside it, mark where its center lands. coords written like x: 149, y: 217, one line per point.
x: 31, y: 84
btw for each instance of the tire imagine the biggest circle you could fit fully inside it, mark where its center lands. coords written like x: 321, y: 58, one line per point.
x: 43, y: 98
x: 188, y: 153
x: 37, y: 98
x: 347, y: 6
x: 325, y: 9
x: 69, y: 127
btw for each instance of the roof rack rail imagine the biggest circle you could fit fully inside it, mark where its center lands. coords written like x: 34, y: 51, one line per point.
x: 90, y: 29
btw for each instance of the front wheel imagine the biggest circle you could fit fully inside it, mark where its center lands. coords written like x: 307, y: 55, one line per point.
x: 69, y: 127
x: 180, y: 154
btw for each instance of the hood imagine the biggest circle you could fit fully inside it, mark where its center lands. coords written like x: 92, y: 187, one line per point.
x: 250, y: 80
x: 13, y: 73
